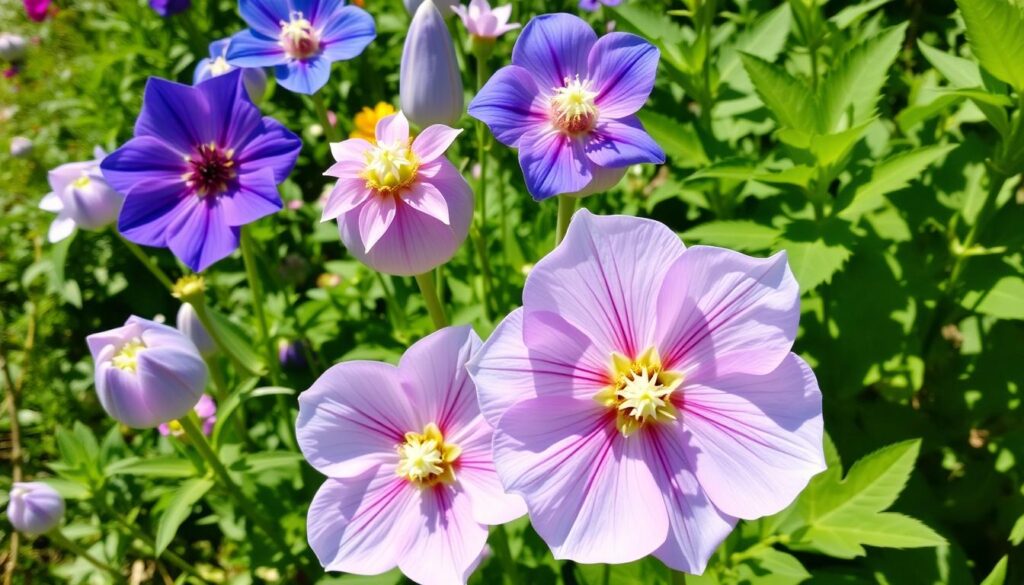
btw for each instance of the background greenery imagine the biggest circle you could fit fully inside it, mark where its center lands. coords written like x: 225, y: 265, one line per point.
x: 862, y: 137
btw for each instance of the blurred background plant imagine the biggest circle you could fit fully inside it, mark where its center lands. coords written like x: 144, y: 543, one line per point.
x: 878, y: 142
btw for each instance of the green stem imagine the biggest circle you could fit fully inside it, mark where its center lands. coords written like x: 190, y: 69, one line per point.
x: 566, y: 207
x: 57, y: 536
x: 434, y: 306
x: 249, y: 257
x: 988, y: 208
x: 395, y: 312
x: 199, y: 306
x: 155, y: 270
x: 220, y: 388
x: 481, y: 144
x: 330, y: 130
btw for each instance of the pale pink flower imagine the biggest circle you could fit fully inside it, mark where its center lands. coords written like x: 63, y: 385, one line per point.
x: 483, y: 22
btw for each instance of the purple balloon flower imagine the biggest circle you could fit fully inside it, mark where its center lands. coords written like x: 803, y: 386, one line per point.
x: 300, y: 39
x: 592, y: 5
x: 34, y: 507
x: 169, y: 7
x: 645, y: 396
x: 567, y: 103
x: 203, y: 163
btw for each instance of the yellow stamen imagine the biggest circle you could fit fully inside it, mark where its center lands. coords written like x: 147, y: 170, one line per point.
x: 82, y: 181
x: 640, y: 391
x: 127, y: 358
x: 574, y: 108
x: 425, y: 459
x: 390, y: 167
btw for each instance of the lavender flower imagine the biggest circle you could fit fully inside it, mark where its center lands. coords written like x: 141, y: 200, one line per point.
x: 300, y: 39
x: 80, y: 198
x: 216, y: 64
x: 34, y: 507
x: 202, y: 164
x: 567, y: 103
x: 167, y: 8
x: 430, y: 85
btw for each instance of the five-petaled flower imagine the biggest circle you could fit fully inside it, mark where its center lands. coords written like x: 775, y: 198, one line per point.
x: 402, y: 207
x: 408, y: 459
x: 645, y: 396
x: 203, y: 163
x: 300, y: 39
x: 568, y: 103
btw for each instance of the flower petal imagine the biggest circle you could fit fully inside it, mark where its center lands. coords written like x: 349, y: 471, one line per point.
x: 265, y: 16
x: 351, y: 150
x: 149, y: 210
x: 604, y: 280
x: 352, y: 417
x: 143, y: 161
x: 394, y: 128
x: 623, y: 67
x: 273, y: 146
x: 200, y: 234
x: 590, y: 493
x: 433, y: 375
x: 347, y: 195
x: 621, y: 143
x: 235, y: 117
x: 176, y: 114
x: 446, y: 543
x: 61, y: 228
x: 257, y: 196
x: 757, y: 439
x: 252, y: 49
x: 510, y: 104
x: 478, y: 477
x: 554, y: 47
x: 723, y: 312
x: 347, y: 34
x: 434, y: 141
x: 426, y: 199
x: 553, y: 163
x: 306, y: 77
x: 51, y: 202
x: 362, y: 525
x: 375, y: 217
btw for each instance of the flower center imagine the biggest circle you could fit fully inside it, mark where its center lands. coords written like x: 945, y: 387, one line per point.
x: 127, y: 358
x: 640, y: 391
x: 573, y: 107
x: 390, y: 167
x: 210, y: 170
x: 81, y: 182
x: 298, y: 38
x: 219, y: 67
x: 175, y: 428
x: 425, y: 459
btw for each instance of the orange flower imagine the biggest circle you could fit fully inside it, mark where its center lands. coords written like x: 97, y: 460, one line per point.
x: 366, y: 120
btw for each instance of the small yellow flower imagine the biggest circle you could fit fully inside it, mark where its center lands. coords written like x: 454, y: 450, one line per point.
x: 366, y: 121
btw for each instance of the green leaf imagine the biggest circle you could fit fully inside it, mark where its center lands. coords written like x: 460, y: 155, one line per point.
x: 765, y: 39
x: 958, y: 71
x: 995, y: 30
x: 772, y: 567
x: 168, y: 466
x: 829, y: 149
x: 238, y: 342
x: 178, y: 510
x: 851, y: 91
x: 814, y: 263
x: 890, y: 175
x: 786, y: 97
x: 1004, y: 300
x: 266, y: 460
x: 852, y: 14
x: 739, y: 235
x: 1017, y: 532
x: 679, y: 140
x: 998, y: 574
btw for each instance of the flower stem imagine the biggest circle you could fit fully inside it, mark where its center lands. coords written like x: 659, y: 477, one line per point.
x: 566, y: 207
x: 249, y: 257
x: 333, y: 135
x: 57, y: 536
x: 481, y: 244
x: 155, y: 270
x: 434, y: 306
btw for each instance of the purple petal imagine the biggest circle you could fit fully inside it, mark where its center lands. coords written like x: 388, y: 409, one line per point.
x: 554, y: 47
x: 722, y: 312
x: 274, y: 147
x: 434, y: 141
x: 305, y: 77
x: 143, y: 161
x: 256, y: 197
x: 149, y: 210
x: 375, y: 217
x: 347, y: 34
x: 604, y: 278
x: 363, y: 525
x: 553, y: 163
x: 200, y: 235
x: 446, y: 542
x: 623, y: 68
x: 251, y: 49
x: 756, y: 439
x: 351, y: 150
x: 426, y: 199
x: 352, y: 418
x: 393, y: 128
x: 433, y: 374
x: 265, y: 16
x: 479, y: 479
x: 234, y: 114
x: 605, y: 179
x: 621, y: 143
x: 173, y: 380
x: 574, y: 468
x: 176, y: 114
x: 510, y: 104
x: 347, y: 195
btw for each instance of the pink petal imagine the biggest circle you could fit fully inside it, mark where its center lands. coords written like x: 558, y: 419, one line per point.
x: 590, y: 493
x: 756, y: 439
x: 394, y: 128
x: 374, y: 220
x: 352, y: 418
x: 347, y: 195
x: 433, y: 376
x: 351, y: 150
x: 604, y: 278
x: 426, y: 199
x: 446, y: 542
x: 346, y: 169
x: 720, y: 312
x: 477, y: 476
x: 363, y: 525
x: 434, y: 141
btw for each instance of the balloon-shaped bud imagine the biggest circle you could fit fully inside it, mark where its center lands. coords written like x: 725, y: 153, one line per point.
x: 81, y: 198
x: 34, y: 507
x: 430, y: 83
x: 189, y: 324
x: 146, y: 373
x: 445, y: 6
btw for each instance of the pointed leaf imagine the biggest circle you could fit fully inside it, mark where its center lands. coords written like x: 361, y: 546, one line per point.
x: 178, y: 510
x: 995, y: 29
x: 890, y: 175
x: 739, y: 235
x: 786, y: 97
x: 851, y: 91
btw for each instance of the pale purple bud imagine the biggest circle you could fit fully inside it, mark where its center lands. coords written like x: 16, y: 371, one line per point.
x: 146, y: 373
x: 189, y: 324
x: 445, y: 6
x: 430, y: 84
x: 81, y: 198
x: 12, y: 47
x: 21, y: 147
x: 34, y: 507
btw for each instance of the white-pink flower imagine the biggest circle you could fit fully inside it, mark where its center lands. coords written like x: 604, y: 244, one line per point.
x: 483, y: 22
x: 411, y: 482
x: 402, y: 207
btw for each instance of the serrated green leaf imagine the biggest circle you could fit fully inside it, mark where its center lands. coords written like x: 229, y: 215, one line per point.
x: 773, y: 567
x: 851, y: 14
x: 1004, y: 300
x: 679, y: 140
x: 814, y: 263
x: 739, y: 235
x: 995, y: 30
x: 829, y: 149
x: 168, y: 466
x: 788, y: 99
x: 998, y: 574
x: 765, y: 39
x: 890, y: 175
x: 853, y: 87
x: 958, y: 71
x: 884, y: 529
x: 178, y: 510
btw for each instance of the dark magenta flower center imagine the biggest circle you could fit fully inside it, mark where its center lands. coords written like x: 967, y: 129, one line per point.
x: 298, y: 38
x: 210, y: 170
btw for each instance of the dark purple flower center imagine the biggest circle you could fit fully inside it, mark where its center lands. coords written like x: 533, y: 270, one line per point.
x: 298, y: 37
x: 574, y: 107
x: 210, y: 170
